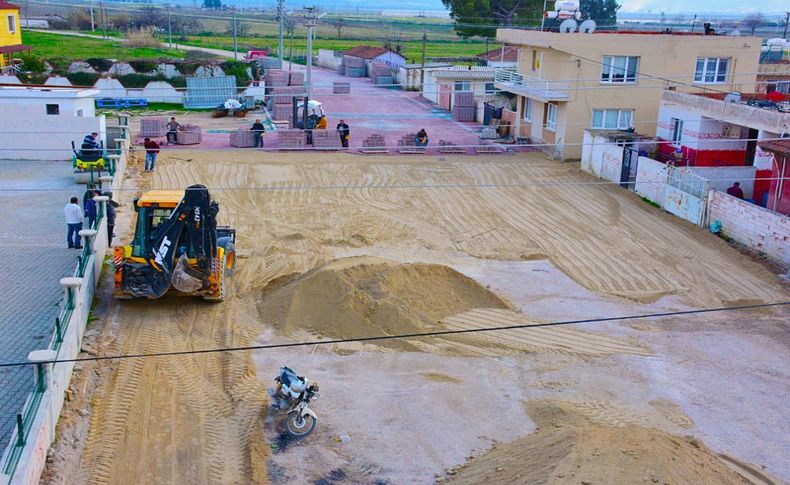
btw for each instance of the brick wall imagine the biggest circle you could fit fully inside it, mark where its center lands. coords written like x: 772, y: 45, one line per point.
x: 757, y: 228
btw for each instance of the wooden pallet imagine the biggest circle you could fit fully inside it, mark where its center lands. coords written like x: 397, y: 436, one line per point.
x: 488, y: 149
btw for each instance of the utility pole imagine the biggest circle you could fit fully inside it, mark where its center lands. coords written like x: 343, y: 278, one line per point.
x: 787, y: 20
x: 93, y: 26
x: 169, y: 27
x: 310, y: 24
x: 235, y: 43
x: 281, y: 17
x: 422, y: 63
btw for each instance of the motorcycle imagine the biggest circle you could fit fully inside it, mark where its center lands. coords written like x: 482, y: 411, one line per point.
x: 292, y: 398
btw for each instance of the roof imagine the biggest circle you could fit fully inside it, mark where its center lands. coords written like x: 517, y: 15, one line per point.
x: 7, y: 49
x: 418, y: 65
x: 511, y: 54
x: 8, y: 6
x: 781, y: 147
x: 464, y: 74
x: 161, y: 197
x: 367, y: 51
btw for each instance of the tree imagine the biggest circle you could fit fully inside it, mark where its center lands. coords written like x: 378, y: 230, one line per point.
x: 338, y: 23
x: 242, y: 29
x: 482, y: 17
x: 604, y: 12
x: 752, y: 21
x: 212, y: 4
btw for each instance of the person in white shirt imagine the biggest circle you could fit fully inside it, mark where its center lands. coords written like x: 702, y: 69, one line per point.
x: 74, y: 218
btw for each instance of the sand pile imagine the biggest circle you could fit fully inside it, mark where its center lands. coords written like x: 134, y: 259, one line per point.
x: 568, y: 448
x: 367, y: 296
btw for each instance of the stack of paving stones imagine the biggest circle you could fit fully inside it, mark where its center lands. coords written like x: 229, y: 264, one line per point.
x: 242, y: 138
x: 283, y: 112
x: 290, y: 139
x: 449, y: 147
x: 354, y: 66
x: 153, y: 126
x: 341, y: 87
x: 285, y: 94
x: 189, y: 135
x: 464, y: 106
x: 326, y: 140
x: 406, y: 144
x: 296, y: 78
x: 375, y: 143
x: 489, y: 133
x: 381, y: 74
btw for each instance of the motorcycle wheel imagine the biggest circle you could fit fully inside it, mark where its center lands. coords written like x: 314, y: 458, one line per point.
x: 298, y: 426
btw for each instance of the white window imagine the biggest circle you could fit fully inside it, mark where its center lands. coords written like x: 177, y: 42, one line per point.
x: 463, y: 86
x: 80, y: 113
x: 677, y: 131
x: 527, y: 109
x: 619, y: 69
x: 11, y: 24
x: 781, y: 86
x: 490, y: 88
x: 711, y: 70
x: 615, y: 119
x: 551, y: 117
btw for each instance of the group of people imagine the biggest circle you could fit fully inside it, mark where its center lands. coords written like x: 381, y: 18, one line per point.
x: 342, y: 129
x: 76, y: 216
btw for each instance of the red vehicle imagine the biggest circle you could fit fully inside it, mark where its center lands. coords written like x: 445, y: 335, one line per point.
x: 252, y: 55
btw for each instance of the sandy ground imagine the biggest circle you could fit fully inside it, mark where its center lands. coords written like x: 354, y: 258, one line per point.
x: 537, y: 234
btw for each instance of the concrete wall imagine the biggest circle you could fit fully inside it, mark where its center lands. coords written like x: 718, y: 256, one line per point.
x: 327, y: 58
x: 601, y: 158
x: 651, y: 178
x: 161, y: 92
x: 721, y: 178
x: 23, y: 130
x: 757, y: 228
x: 110, y: 88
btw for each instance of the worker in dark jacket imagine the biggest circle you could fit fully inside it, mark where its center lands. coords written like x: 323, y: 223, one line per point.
x: 90, y: 151
x: 111, y: 205
x: 90, y: 209
x: 421, y: 139
x: 258, y: 130
x: 735, y: 190
x: 344, y: 132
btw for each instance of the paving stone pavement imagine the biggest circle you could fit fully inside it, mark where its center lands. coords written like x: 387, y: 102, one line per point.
x: 34, y: 258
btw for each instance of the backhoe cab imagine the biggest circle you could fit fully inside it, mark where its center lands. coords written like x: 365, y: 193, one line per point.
x: 177, y: 245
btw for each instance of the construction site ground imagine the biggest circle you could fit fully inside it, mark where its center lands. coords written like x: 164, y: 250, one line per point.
x: 342, y: 246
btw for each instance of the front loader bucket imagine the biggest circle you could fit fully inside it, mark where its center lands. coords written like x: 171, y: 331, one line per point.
x: 143, y: 281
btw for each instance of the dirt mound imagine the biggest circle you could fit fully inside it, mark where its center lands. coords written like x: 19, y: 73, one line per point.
x: 368, y: 296
x: 568, y: 448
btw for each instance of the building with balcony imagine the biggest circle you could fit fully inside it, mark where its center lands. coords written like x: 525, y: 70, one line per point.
x: 566, y: 83
x: 10, y: 34
x: 443, y: 84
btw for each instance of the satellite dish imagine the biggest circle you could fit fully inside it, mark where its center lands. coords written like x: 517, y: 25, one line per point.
x: 567, y: 26
x: 587, y: 27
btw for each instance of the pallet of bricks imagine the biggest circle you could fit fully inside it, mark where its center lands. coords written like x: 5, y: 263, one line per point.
x: 464, y: 108
x: 375, y: 143
x: 381, y: 74
x: 326, y: 140
x: 406, y: 144
x: 290, y: 139
x: 354, y: 66
x: 341, y: 87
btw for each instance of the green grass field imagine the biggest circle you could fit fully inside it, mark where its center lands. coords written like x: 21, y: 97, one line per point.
x: 54, y: 46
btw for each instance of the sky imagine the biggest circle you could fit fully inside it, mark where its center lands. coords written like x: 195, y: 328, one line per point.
x: 702, y: 6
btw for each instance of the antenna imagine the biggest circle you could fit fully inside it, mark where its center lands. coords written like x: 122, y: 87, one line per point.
x: 587, y: 27
x: 567, y: 26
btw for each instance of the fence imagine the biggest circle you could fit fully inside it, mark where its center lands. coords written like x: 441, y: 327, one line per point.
x: 24, y: 458
x: 686, y: 195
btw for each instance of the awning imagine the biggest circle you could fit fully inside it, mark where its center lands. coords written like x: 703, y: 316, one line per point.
x: 8, y: 49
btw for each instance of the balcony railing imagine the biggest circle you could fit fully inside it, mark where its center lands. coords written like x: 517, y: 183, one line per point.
x: 510, y: 80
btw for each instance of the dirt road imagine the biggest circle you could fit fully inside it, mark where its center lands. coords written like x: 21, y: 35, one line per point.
x: 543, y: 237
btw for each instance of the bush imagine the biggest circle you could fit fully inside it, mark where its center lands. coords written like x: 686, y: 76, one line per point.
x: 137, y: 80
x: 99, y: 64
x: 194, y: 56
x: 80, y: 20
x: 142, y: 38
x: 82, y: 78
x: 32, y: 64
x: 59, y: 65
x: 238, y: 69
x: 143, y: 66
x: 188, y: 68
x: 178, y: 82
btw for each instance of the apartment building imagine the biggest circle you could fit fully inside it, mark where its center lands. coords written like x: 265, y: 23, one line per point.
x: 568, y: 82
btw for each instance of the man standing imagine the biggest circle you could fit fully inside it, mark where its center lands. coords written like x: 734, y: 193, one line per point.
x: 90, y: 209
x: 735, y: 190
x: 257, y: 133
x: 151, y: 149
x: 343, y: 131
x: 172, y: 130
x: 74, y: 217
x: 110, y: 217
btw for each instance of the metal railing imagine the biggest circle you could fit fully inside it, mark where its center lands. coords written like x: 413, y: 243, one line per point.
x: 539, y: 87
x: 683, y: 179
x: 24, y: 420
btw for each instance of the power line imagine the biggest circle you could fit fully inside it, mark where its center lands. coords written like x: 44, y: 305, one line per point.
x: 440, y: 333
